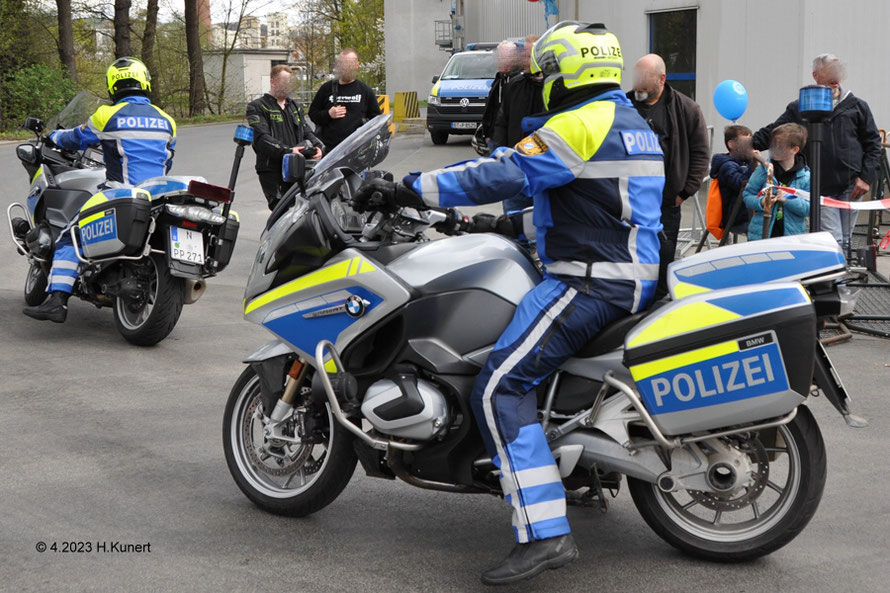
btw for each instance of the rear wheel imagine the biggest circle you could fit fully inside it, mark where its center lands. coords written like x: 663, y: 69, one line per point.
x: 285, y: 478
x: 149, y: 310
x: 781, y: 497
x: 35, y: 285
x: 439, y: 138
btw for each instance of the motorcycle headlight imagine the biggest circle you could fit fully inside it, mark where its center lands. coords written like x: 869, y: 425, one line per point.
x: 434, y: 100
x: 195, y: 213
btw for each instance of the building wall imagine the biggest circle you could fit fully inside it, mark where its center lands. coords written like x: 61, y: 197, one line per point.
x: 495, y: 20
x: 247, y: 75
x: 767, y: 46
x: 412, y: 56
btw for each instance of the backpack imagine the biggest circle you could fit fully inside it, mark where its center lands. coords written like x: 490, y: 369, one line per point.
x: 714, y: 210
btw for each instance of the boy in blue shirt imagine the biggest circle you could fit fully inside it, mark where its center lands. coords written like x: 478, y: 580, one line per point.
x: 789, y: 212
x: 732, y: 170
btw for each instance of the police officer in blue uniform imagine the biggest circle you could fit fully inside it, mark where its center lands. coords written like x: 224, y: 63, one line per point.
x: 137, y: 139
x: 596, y: 172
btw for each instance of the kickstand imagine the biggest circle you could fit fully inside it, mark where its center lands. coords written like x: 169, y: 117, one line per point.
x: 593, y: 496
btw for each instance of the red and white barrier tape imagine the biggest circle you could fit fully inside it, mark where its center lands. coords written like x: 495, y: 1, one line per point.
x: 831, y: 202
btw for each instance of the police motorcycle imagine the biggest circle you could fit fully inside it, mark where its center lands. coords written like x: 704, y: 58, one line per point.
x: 144, y: 251
x: 701, y: 402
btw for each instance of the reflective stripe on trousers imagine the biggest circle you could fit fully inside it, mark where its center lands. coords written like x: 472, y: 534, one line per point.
x: 65, y: 268
x: 552, y: 322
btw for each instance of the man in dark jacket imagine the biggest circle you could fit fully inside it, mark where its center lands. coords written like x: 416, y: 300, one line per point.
x: 279, y: 127
x: 507, y: 56
x: 522, y: 96
x: 342, y: 105
x: 850, y: 152
x: 683, y: 135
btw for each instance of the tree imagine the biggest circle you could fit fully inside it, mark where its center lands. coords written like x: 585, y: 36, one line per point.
x: 66, y: 39
x: 122, y: 29
x: 149, y: 35
x: 197, y: 100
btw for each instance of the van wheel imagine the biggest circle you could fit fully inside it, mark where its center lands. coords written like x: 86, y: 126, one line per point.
x: 439, y: 138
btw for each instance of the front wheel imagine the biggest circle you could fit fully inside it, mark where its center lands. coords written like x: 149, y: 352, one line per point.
x: 149, y: 310
x: 35, y: 285
x: 439, y: 138
x: 285, y: 478
x: 780, y: 499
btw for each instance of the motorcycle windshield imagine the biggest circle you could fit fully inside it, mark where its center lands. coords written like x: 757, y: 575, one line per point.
x: 363, y: 149
x: 77, y: 111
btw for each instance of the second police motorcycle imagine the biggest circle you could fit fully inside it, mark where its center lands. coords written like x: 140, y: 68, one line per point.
x: 144, y: 251
x: 700, y: 402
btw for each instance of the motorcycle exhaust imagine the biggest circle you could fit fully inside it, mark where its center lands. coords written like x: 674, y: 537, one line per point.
x: 193, y: 290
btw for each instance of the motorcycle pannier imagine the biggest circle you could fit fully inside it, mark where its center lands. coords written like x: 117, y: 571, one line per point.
x: 115, y: 222
x: 227, y: 242
x: 724, y: 357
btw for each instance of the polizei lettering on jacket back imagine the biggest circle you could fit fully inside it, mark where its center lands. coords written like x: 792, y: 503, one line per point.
x: 755, y: 370
x: 141, y: 123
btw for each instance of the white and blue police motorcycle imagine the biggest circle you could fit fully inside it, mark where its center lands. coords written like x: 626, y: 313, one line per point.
x: 701, y: 402
x: 144, y: 251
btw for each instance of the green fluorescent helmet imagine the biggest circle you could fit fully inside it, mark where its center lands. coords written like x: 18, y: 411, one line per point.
x: 573, y: 55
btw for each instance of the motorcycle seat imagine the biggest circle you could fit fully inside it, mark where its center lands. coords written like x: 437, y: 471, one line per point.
x: 612, y: 336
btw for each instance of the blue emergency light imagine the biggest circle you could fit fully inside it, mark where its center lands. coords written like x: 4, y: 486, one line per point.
x: 244, y: 134
x: 815, y: 103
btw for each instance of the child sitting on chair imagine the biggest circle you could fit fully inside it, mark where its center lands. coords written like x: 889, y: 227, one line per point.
x: 732, y: 170
x: 789, y: 211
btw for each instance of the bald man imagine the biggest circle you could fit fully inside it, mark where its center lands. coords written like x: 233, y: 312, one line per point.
x: 683, y: 135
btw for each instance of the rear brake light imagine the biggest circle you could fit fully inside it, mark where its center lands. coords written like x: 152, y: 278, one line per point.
x: 207, y: 191
x: 189, y: 224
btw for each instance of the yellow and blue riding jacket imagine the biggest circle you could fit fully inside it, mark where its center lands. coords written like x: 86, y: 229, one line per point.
x: 137, y: 139
x: 596, y: 171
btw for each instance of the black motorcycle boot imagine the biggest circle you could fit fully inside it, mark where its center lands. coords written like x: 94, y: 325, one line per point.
x: 531, y: 559
x: 55, y: 308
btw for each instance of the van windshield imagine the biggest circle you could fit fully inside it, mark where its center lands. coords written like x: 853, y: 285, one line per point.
x: 470, y: 65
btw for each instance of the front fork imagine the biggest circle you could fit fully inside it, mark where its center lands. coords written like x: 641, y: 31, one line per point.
x: 284, y: 407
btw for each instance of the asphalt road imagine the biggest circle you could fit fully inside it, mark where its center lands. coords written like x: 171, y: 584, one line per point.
x: 101, y: 441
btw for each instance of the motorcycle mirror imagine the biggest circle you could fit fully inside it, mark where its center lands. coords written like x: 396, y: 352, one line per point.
x: 27, y: 153
x: 34, y: 124
x: 293, y: 168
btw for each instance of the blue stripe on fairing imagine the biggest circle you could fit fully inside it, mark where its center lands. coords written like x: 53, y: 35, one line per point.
x: 766, y: 271
x: 761, y: 301
x: 305, y: 333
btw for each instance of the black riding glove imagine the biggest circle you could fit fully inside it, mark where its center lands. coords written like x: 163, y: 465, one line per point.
x: 508, y: 225
x: 381, y: 194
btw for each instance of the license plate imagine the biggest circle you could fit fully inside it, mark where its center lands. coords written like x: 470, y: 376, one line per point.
x: 464, y: 125
x: 186, y: 245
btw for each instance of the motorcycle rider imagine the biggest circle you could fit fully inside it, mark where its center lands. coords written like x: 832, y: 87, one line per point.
x: 137, y: 140
x: 596, y: 172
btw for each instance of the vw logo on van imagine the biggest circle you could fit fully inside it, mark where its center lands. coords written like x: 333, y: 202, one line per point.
x: 464, y: 102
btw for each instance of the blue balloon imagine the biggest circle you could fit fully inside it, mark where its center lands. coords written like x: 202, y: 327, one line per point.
x: 731, y: 99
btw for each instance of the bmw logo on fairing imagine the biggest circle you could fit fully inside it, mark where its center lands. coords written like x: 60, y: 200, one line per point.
x: 355, y: 306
